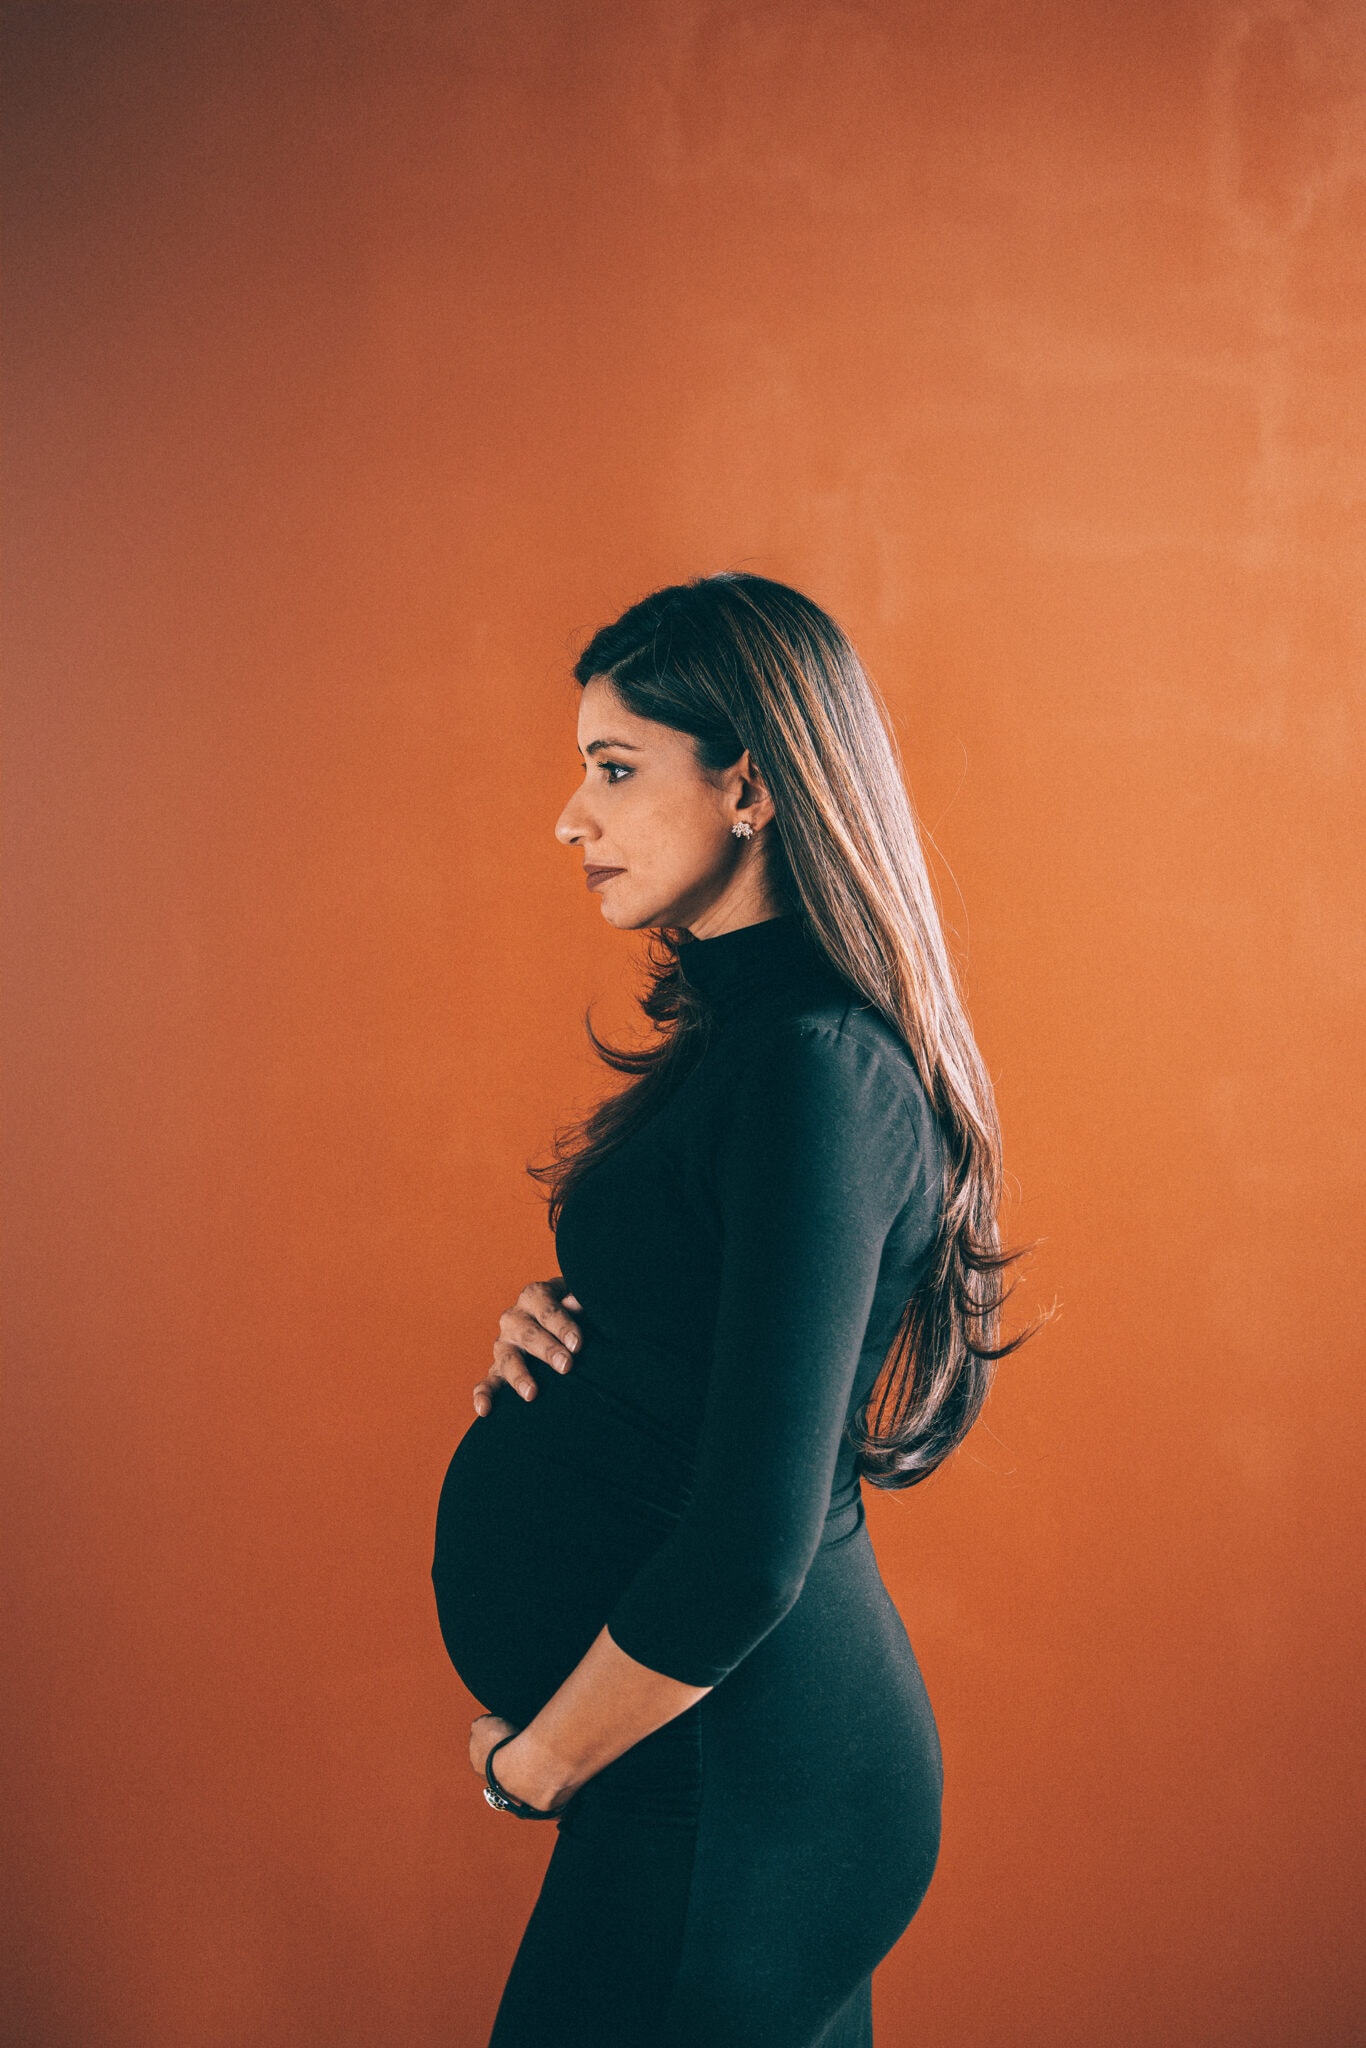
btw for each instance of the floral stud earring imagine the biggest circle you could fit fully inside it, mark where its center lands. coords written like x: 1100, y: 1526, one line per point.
x: 742, y: 829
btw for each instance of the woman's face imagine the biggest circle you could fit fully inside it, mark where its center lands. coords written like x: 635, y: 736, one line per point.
x: 658, y: 825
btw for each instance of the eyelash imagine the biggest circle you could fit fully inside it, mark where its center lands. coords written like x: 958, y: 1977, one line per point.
x: 607, y: 768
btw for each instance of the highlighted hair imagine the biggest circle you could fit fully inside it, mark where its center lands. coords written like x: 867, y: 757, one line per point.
x: 738, y: 661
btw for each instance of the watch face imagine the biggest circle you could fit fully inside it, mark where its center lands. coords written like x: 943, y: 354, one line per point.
x: 495, y: 1800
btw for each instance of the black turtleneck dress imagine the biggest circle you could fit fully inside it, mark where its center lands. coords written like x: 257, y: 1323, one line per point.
x: 742, y: 1260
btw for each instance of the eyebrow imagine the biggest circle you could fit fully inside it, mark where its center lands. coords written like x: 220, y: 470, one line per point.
x: 596, y: 746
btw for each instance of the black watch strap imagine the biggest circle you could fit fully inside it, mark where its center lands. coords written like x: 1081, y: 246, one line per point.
x: 504, y: 1801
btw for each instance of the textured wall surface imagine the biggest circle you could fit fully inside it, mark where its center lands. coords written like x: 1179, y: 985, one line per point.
x: 360, y: 360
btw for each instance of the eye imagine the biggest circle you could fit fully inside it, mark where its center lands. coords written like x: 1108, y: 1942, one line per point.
x: 613, y: 769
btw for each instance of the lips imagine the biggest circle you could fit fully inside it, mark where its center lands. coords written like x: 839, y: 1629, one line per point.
x: 595, y: 875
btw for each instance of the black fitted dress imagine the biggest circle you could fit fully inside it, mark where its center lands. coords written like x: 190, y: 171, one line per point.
x: 742, y: 1260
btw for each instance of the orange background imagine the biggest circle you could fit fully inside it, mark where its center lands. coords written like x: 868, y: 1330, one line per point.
x: 360, y: 360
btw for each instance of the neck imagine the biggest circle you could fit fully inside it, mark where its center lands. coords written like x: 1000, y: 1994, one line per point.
x: 754, y: 966
x: 745, y: 902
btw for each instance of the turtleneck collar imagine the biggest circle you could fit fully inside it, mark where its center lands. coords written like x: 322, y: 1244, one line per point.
x: 754, y: 964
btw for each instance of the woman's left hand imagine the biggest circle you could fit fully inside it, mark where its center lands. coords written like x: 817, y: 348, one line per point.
x: 522, y: 1775
x: 485, y: 1730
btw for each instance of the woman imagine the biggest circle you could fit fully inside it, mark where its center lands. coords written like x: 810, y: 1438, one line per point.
x: 779, y: 1269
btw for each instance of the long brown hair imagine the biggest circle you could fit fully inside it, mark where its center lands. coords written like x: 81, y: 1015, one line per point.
x: 739, y: 661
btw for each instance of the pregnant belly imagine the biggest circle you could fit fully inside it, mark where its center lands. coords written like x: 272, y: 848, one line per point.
x: 548, y: 1509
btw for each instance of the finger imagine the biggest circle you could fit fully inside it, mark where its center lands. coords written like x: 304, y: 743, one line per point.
x: 531, y: 1337
x: 485, y: 1730
x: 510, y: 1366
x: 483, y: 1397
x: 564, y: 1327
x: 546, y: 1301
x: 521, y: 1329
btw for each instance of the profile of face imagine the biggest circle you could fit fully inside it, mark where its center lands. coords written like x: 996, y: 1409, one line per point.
x: 654, y: 828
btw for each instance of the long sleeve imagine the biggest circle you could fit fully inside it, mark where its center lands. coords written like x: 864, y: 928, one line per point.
x: 817, y: 1159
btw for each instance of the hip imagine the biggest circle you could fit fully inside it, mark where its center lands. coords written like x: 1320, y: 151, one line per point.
x: 827, y: 1720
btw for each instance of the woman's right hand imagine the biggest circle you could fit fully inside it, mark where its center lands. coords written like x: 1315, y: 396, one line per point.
x: 536, y: 1326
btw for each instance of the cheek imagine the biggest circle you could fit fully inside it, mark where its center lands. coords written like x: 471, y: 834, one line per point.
x: 676, y: 839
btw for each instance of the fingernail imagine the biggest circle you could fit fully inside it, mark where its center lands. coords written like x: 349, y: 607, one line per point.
x: 528, y: 1393
x: 572, y: 1340
x: 560, y: 1362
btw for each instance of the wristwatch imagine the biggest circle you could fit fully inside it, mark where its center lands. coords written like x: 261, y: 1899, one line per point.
x: 505, y: 1802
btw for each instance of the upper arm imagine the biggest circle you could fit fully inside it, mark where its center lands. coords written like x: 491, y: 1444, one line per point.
x: 816, y: 1161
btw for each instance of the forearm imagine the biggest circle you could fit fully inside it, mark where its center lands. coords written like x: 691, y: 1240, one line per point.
x: 607, y: 1704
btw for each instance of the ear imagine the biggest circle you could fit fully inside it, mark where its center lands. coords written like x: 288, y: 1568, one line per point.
x: 752, y: 794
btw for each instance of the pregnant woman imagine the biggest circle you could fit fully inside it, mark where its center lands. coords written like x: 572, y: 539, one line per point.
x: 780, y: 1275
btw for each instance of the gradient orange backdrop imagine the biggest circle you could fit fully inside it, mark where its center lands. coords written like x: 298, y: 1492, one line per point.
x: 360, y: 360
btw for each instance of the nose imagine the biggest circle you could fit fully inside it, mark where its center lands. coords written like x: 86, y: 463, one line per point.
x: 573, y: 823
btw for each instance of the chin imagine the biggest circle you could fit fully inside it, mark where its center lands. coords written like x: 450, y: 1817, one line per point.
x: 623, y: 920
x: 629, y: 917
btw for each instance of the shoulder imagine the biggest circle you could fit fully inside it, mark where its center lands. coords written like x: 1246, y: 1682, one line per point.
x: 838, y: 1031
x: 837, y: 1058
x: 829, y: 1119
